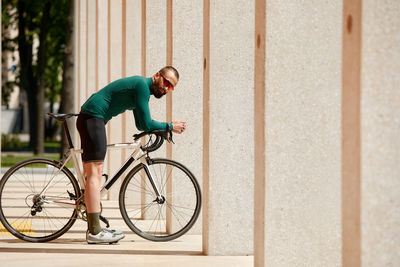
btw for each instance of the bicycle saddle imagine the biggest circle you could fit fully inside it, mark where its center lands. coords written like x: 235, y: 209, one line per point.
x: 62, y: 117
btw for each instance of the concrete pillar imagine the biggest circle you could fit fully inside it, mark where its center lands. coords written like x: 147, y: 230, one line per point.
x: 156, y: 18
x: 380, y: 125
x: 102, y: 44
x: 77, y: 66
x: 228, y: 204
x: 82, y: 52
x: 133, y: 53
x: 90, y: 49
x: 115, y: 126
x: 188, y: 95
x: 299, y: 221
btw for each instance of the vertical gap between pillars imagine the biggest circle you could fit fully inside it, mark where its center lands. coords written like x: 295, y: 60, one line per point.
x: 108, y: 81
x: 351, y: 134
x: 169, y: 53
x: 259, y: 133
x: 87, y: 49
x: 96, y: 86
x: 143, y: 66
x: 123, y: 74
x: 206, y: 124
x: 79, y: 51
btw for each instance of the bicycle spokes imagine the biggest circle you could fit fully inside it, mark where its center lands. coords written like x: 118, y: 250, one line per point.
x: 30, y: 214
x: 166, y: 214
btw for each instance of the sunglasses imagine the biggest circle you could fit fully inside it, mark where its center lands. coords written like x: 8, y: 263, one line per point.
x: 167, y: 83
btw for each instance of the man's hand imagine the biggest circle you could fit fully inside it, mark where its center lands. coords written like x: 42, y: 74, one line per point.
x: 179, y: 126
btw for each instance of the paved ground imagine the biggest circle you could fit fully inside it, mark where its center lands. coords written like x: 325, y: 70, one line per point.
x: 61, y: 260
x: 72, y: 250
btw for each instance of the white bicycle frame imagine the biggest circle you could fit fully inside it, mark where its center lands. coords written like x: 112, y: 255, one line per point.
x: 137, y: 154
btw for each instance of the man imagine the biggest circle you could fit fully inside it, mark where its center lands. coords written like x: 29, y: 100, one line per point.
x: 131, y: 93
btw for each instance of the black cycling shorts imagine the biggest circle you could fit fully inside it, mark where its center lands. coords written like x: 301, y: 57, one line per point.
x: 92, y: 131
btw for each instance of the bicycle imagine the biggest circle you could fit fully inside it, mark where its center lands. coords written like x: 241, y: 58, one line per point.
x: 159, y: 199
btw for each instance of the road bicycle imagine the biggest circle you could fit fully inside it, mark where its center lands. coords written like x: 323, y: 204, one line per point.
x: 159, y: 199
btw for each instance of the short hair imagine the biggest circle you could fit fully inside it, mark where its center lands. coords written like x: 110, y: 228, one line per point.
x: 169, y: 68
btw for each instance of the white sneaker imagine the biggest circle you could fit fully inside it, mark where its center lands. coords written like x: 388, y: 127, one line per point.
x: 113, y: 231
x: 105, y: 236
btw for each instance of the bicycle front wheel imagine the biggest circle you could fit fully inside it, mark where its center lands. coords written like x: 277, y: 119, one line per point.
x: 169, y: 216
x: 33, y: 215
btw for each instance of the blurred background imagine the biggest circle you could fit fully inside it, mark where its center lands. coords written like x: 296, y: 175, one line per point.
x: 37, y: 73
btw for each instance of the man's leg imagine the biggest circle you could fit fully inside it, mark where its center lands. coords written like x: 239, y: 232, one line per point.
x: 94, y: 145
x: 93, y: 172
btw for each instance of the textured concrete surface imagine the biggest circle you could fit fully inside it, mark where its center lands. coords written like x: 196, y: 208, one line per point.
x: 380, y: 111
x: 102, y: 44
x: 46, y: 259
x: 231, y: 128
x: 133, y: 53
x: 303, y: 137
x: 187, y: 101
x: 81, y: 53
x: 115, y: 126
x: 156, y: 56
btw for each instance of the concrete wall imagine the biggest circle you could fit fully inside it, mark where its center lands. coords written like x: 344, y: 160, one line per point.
x: 303, y: 136
x: 292, y: 108
x: 187, y: 103
x: 380, y: 146
x: 230, y: 200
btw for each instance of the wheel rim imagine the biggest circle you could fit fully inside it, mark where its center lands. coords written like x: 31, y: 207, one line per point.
x: 29, y: 216
x: 171, y: 215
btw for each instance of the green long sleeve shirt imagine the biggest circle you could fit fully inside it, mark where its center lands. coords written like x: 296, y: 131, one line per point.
x: 131, y: 93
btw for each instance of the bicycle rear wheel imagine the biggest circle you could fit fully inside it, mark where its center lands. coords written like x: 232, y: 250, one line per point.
x: 35, y: 218
x: 162, y: 219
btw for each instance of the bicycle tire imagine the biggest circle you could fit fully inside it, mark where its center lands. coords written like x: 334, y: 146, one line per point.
x: 182, y: 201
x: 19, y: 188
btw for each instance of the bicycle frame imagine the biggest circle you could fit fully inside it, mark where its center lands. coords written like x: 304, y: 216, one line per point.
x: 137, y: 154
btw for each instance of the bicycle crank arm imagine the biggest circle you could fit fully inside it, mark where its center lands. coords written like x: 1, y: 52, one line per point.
x: 104, y: 220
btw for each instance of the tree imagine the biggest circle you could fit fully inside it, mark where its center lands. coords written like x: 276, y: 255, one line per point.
x: 67, y: 91
x: 40, y: 43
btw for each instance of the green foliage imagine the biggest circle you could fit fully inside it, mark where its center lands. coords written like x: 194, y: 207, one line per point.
x: 9, y: 23
x: 10, y: 160
x: 11, y: 141
x: 56, y: 40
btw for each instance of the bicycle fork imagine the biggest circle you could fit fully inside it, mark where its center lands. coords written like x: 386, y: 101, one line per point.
x: 160, y: 199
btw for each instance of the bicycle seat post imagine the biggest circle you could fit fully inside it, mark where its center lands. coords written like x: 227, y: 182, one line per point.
x: 66, y: 130
x: 63, y: 118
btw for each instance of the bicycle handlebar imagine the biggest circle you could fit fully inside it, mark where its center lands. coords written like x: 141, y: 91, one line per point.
x: 161, y: 135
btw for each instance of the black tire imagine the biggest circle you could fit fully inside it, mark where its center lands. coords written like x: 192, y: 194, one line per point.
x: 147, y: 217
x: 19, y: 187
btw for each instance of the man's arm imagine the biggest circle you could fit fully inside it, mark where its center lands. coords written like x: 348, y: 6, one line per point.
x: 142, y: 116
